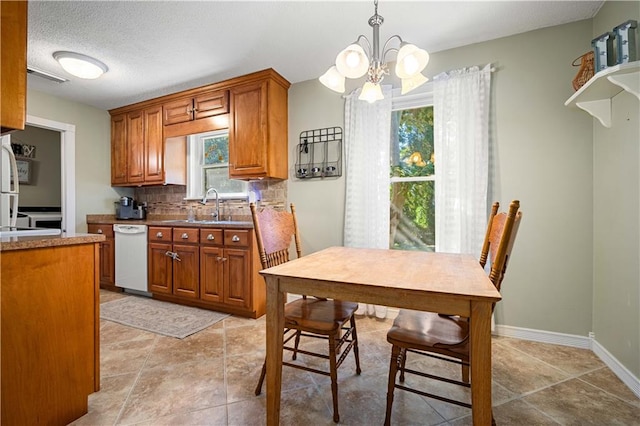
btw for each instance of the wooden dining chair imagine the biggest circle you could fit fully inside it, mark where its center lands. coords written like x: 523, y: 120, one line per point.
x: 446, y: 337
x: 332, y: 320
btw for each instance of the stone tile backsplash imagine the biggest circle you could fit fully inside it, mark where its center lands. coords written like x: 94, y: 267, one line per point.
x: 169, y: 200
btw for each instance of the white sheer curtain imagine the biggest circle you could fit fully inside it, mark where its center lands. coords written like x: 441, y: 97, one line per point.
x: 461, y: 143
x: 367, y: 139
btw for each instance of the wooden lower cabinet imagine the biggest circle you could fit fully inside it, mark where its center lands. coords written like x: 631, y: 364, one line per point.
x: 107, y: 256
x: 217, y: 269
x: 50, y: 329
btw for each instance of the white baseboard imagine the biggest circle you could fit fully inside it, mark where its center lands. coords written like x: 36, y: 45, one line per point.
x: 541, y: 336
x: 582, y: 342
x: 618, y: 369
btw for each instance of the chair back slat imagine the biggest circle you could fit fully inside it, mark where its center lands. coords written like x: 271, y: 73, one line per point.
x: 502, y: 232
x: 274, y: 232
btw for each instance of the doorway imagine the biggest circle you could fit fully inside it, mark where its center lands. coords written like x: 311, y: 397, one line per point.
x: 67, y: 167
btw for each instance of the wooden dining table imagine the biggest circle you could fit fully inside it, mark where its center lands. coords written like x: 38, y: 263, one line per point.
x: 453, y: 284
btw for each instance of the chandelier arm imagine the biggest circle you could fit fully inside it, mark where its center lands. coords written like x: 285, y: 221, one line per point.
x: 386, y: 50
x: 368, y: 46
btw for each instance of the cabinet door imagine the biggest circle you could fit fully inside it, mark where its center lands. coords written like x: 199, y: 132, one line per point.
x: 107, y: 253
x: 160, y: 272
x: 211, y: 274
x: 211, y: 103
x: 154, y: 143
x: 135, y: 147
x: 107, y: 262
x: 237, y: 267
x: 13, y: 65
x: 186, y: 277
x: 119, y: 149
x: 177, y: 111
x: 248, y: 132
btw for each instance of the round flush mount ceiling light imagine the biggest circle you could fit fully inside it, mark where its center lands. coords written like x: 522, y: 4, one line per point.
x: 80, y: 65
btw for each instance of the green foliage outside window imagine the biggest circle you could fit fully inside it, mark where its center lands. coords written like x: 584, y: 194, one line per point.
x: 412, y: 224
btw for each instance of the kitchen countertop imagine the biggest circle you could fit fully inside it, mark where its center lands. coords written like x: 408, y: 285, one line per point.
x: 165, y: 220
x: 32, y: 242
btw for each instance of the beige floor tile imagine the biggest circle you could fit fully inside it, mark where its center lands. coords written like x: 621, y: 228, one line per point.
x: 579, y: 403
x: 606, y: 380
x: 124, y: 356
x: 521, y: 373
x: 216, y: 416
x: 570, y: 360
x: 105, y: 405
x: 197, y: 347
x: 175, y: 389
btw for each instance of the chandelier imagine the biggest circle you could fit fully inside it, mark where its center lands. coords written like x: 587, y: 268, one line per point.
x: 354, y: 62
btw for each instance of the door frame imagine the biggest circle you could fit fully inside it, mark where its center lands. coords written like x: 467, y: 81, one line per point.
x: 67, y: 167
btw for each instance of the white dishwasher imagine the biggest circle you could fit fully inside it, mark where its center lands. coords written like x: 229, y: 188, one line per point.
x: 131, y: 257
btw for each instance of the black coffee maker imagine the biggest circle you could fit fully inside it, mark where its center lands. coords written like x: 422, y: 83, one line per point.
x: 128, y: 208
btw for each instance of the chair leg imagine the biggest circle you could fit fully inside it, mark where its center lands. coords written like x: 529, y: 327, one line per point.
x: 465, y: 373
x: 295, y: 346
x: 356, y: 353
x: 393, y: 371
x: 262, y: 376
x: 333, y: 371
x: 403, y: 362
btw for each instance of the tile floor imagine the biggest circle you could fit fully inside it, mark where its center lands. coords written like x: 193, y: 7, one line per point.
x: 208, y: 379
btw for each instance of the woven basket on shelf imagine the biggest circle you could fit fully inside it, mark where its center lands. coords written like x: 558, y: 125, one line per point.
x: 586, y: 69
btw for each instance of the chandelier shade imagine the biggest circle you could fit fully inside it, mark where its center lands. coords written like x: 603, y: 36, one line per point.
x: 333, y: 80
x: 352, y: 62
x: 355, y: 62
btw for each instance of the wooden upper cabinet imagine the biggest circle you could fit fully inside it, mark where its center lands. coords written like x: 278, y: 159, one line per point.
x: 13, y: 65
x: 135, y: 147
x: 119, y: 149
x: 154, y: 144
x: 138, y: 150
x: 195, y: 108
x: 258, y: 129
x: 149, y: 138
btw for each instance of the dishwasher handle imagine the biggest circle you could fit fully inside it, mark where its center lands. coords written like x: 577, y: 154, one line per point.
x: 130, y: 229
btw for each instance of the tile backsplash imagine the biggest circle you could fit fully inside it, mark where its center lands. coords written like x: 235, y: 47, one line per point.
x: 169, y: 200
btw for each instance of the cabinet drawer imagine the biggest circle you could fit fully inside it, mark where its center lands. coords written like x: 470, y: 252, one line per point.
x: 211, y: 236
x: 106, y: 230
x: 236, y: 237
x: 157, y: 233
x: 185, y: 235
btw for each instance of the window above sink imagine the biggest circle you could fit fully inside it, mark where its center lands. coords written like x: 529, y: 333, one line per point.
x: 208, y: 167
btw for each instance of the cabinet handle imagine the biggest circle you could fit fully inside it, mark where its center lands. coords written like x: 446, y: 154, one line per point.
x: 99, y: 231
x: 159, y: 235
x: 185, y: 236
x: 235, y: 239
x: 210, y: 237
x: 221, y: 259
x: 173, y: 255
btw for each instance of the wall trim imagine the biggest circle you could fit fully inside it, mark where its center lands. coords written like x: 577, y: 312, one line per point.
x: 582, y: 342
x: 575, y: 341
x: 618, y: 369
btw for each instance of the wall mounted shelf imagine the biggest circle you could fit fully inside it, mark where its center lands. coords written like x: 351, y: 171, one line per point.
x: 320, y: 153
x: 595, y: 96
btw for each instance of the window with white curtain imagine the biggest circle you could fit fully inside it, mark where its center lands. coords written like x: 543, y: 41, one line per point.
x: 208, y: 155
x: 412, y: 172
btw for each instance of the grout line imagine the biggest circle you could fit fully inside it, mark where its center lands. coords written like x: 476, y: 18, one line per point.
x: 135, y: 382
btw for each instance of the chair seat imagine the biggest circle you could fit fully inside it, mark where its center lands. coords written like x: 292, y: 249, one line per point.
x: 318, y: 315
x: 429, y: 331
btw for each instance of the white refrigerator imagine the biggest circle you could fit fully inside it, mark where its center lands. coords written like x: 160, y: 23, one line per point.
x: 9, y: 188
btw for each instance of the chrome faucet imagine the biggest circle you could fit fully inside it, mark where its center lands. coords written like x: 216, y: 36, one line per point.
x: 216, y: 213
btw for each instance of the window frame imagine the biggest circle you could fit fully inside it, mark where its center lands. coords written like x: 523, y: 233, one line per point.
x: 196, y: 168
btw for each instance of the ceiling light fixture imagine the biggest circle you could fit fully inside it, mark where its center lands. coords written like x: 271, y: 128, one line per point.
x: 80, y: 65
x: 354, y: 62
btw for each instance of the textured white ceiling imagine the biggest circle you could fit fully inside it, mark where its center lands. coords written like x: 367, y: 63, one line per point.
x: 156, y: 48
